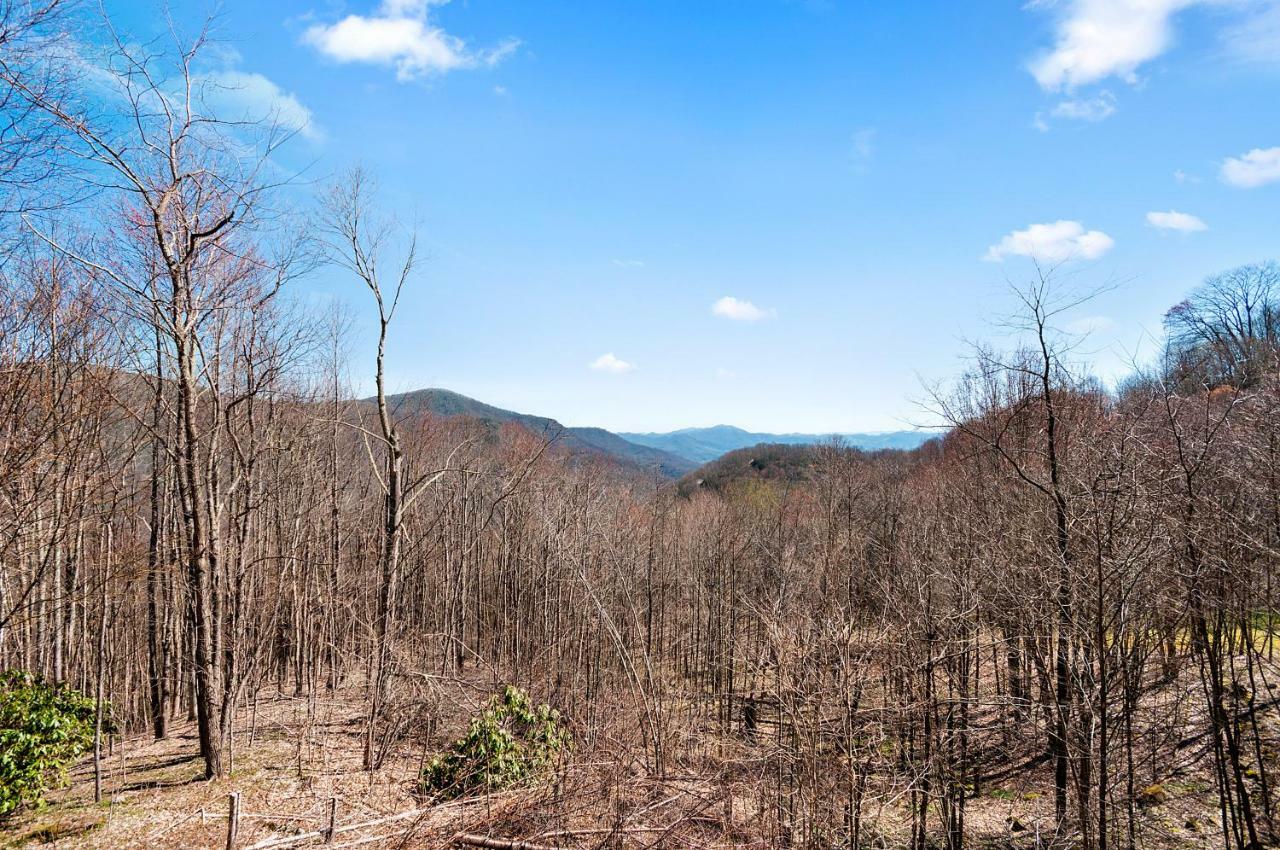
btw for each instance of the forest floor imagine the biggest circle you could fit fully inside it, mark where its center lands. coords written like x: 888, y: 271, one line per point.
x: 300, y: 761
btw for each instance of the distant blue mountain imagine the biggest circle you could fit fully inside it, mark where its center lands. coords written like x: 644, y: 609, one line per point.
x: 706, y: 444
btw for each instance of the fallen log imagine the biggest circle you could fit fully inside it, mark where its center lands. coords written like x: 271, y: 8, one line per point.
x: 498, y: 843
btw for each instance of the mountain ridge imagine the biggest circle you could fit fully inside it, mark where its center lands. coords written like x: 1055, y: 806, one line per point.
x: 706, y: 444
x: 673, y: 453
x: 582, y: 440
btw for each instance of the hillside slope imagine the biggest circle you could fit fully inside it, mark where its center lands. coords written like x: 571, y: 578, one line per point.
x: 774, y: 462
x: 591, y: 441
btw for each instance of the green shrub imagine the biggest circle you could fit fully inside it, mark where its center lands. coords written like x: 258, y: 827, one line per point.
x: 511, y: 742
x: 44, y: 729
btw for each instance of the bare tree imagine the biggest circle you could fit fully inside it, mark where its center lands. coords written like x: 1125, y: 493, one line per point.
x: 190, y: 187
x: 358, y: 243
x: 1228, y: 329
x: 34, y: 71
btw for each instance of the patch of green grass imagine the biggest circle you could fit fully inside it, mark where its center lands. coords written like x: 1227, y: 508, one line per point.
x: 52, y: 833
x: 1189, y: 787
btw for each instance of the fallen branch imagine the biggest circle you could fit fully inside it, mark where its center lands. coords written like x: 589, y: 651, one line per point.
x: 497, y: 843
x: 303, y: 837
x: 279, y: 843
x: 359, y: 842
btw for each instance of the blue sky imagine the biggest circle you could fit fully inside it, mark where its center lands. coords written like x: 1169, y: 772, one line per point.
x: 778, y: 214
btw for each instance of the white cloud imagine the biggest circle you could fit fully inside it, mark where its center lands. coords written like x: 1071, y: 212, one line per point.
x: 723, y: 374
x: 1052, y: 242
x: 1096, y: 39
x: 738, y: 310
x: 400, y: 34
x: 243, y: 96
x: 1173, y: 220
x: 629, y: 264
x: 1183, y: 177
x: 1087, y: 109
x: 610, y: 363
x: 1256, y: 168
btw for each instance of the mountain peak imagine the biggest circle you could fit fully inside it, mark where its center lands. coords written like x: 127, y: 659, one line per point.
x: 583, y: 441
x: 712, y: 429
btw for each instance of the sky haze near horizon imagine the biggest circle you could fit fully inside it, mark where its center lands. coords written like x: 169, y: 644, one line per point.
x: 784, y: 215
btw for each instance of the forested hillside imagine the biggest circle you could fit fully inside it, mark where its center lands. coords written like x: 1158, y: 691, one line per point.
x: 249, y: 609
x: 582, y: 441
x: 768, y: 462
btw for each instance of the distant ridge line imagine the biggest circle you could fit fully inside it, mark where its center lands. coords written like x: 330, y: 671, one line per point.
x: 673, y: 453
x: 706, y: 444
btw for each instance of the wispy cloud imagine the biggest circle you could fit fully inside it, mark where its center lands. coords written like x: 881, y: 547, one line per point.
x: 1177, y: 221
x: 401, y: 34
x: 629, y: 264
x: 244, y: 96
x: 611, y: 363
x: 1052, y: 242
x: 862, y: 147
x: 1093, y: 109
x: 1091, y: 324
x: 1253, y: 169
x: 1254, y: 38
x: 739, y: 310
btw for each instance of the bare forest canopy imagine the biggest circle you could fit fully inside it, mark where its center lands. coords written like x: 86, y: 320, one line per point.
x: 1054, y: 626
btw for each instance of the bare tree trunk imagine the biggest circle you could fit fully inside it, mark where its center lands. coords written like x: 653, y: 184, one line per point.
x: 155, y: 641
x: 100, y: 688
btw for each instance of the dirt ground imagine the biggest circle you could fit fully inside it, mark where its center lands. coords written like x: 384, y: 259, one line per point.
x: 289, y: 764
